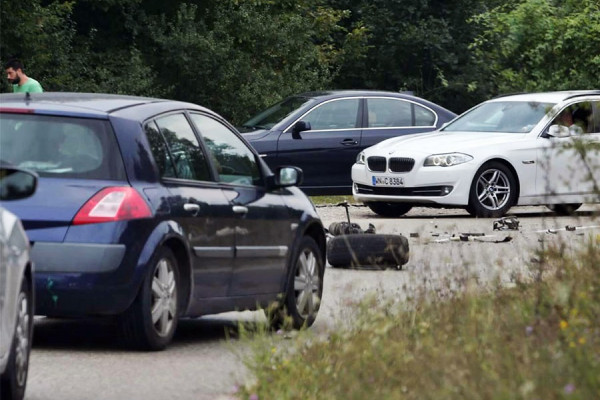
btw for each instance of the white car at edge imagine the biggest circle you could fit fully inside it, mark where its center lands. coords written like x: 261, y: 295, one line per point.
x: 16, y: 286
x: 526, y: 149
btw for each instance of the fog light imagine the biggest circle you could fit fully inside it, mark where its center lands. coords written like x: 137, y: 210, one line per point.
x: 446, y: 190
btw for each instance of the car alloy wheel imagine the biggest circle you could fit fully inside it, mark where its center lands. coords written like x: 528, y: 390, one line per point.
x: 14, y: 378
x: 150, y: 322
x: 22, y: 337
x: 307, y: 284
x: 164, y: 297
x: 493, y: 191
x: 302, y: 299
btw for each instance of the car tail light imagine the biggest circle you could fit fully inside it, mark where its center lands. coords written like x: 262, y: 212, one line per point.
x: 113, y: 204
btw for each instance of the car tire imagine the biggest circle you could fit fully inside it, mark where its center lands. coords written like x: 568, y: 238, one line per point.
x: 150, y: 322
x: 304, y: 289
x: 564, y: 209
x: 14, y: 379
x: 493, y: 191
x: 389, y: 210
x: 367, y: 251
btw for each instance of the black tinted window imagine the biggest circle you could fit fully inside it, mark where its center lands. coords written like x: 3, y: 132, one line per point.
x: 235, y: 162
x: 187, y: 156
x: 61, y: 147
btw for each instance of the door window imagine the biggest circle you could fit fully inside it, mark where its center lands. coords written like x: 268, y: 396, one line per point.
x: 389, y: 113
x: 234, y: 160
x: 182, y: 157
x: 337, y: 114
x: 578, y: 117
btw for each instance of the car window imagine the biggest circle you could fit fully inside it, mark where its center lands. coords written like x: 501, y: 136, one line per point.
x: 159, y: 149
x: 336, y: 114
x: 578, y: 117
x: 61, y: 147
x: 186, y: 155
x: 234, y: 160
x: 423, y: 116
x: 387, y: 113
x: 271, y: 116
x: 501, y: 116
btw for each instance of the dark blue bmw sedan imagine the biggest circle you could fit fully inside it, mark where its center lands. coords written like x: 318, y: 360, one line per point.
x: 323, y: 132
x: 152, y: 210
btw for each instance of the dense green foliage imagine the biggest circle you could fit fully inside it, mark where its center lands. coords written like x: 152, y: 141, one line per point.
x: 238, y: 56
x: 539, y: 340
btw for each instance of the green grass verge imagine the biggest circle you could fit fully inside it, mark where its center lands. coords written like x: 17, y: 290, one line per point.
x: 328, y: 200
x: 538, y: 340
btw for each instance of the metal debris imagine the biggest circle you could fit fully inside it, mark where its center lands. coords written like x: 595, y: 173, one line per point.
x: 506, y: 224
x: 414, y: 234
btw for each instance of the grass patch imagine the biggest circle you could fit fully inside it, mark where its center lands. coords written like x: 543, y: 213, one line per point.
x: 331, y: 200
x: 538, y: 340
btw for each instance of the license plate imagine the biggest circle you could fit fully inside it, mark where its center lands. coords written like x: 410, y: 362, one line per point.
x: 388, y: 181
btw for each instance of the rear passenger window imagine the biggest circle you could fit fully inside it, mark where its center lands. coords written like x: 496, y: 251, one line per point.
x: 185, y: 154
x: 389, y: 113
x: 423, y: 116
x: 159, y: 149
x: 61, y: 147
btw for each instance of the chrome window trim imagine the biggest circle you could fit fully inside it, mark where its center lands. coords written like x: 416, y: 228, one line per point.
x: 287, y: 129
x: 409, y: 101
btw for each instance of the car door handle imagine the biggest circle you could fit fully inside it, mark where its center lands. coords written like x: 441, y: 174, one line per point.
x: 240, y: 209
x: 349, y: 142
x: 192, y: 208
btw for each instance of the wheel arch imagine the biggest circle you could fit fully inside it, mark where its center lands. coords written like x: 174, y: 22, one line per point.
x: 171, y: 235
x: 176, y: 245
x: 314, y: 229
x: 512, y: 169
x: 317, y: 232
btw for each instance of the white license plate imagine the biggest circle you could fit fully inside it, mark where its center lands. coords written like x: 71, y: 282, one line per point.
x: 388, y: 181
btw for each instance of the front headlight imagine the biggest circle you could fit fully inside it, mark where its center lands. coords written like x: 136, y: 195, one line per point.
x: 446, y: 160
x: 360, y: 158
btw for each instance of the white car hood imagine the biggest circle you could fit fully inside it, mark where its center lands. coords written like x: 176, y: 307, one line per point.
x: 442, y: 142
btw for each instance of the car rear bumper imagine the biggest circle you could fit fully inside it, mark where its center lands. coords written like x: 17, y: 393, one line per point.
x: 76, y: 279
x: 77, y: 295
x: 77, y: 257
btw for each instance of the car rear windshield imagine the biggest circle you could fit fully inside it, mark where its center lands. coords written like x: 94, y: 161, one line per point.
x: 61, y: 147
x: 501, y: 116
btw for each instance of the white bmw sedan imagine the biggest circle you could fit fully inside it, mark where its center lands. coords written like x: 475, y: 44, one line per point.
x: 526, y: 149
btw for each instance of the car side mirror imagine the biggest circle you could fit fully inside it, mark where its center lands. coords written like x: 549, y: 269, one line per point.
x: 16, y: 183
x: 558, y: 131
x: 285, y: 176
x: 298, y: 127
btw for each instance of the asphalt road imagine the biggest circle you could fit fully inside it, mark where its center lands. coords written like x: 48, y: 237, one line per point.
x: 82, y: 359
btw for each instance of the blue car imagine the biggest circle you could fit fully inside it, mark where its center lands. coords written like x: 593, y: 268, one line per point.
x: 153, y: 210
x: 323, y: 132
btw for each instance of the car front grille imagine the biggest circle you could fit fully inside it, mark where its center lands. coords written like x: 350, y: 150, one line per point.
x: 434, y: 191
x: 401, y: 164
x: 376, y: 164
